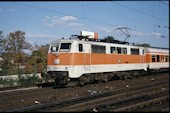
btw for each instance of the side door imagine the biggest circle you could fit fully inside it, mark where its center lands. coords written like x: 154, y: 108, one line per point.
x: 142, y: 53
x: 87, y: 57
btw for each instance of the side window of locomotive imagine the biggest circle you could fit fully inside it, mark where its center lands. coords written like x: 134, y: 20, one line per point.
x: 134, y: 51
x: 124, y: 50
x: 54, y: 47
x: 65, y: 47
x: 158, y: 58
x: 153, y: 58
x: 80, y: 47
x: 143, y: 51
x: 98, y: 49
x: 113, y: 50
x: 119, y: 50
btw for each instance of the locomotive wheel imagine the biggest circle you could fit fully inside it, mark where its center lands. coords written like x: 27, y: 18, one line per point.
x: 64, y: 80
x: 61, y: 82
x: 82, y: 80
x: 104, y: 77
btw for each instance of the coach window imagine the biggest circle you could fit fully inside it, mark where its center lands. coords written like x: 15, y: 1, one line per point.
x: 158, y: 58
x: 166, y: 58
x: 153, y: 58
x: 124, y: 50
x: 113, y: 50
x: 80, y: 47
x: 119, y: 50
x: 162, y: 58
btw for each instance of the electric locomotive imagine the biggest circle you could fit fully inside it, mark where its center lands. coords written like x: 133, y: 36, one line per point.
x: 86, y: 59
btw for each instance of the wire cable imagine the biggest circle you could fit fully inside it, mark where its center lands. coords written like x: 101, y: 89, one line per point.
x: 52, y: 11
x: 139, y: 11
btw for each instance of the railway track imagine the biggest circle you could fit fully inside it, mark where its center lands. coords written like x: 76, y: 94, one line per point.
x: 128, y: 98
x: 21, y: 98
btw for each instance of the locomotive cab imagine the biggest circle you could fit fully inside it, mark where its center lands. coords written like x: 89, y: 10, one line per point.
x: 57, y: 47
x: 57, y: 64
x: 68, y: 60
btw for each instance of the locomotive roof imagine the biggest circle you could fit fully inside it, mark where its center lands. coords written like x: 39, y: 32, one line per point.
x: 98, y: 43
x: 157, y: 50
x: 111, y: 44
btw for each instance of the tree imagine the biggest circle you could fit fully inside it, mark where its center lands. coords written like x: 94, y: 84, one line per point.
x: 38, y: 60
x: 2, y: 42
x: 144, y: 45
x: 109, y: 39
x: 16, y: 42
x: 13, y: 55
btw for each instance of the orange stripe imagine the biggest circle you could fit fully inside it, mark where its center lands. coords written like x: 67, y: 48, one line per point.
x: 82, y: 59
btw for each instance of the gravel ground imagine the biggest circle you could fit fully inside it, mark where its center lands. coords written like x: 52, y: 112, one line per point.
x: 23, y: 98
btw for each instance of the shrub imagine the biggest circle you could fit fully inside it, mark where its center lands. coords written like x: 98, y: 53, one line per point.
x: 9, y: 82
x: 28, y: 80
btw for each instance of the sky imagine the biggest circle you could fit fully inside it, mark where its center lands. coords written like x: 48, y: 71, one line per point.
x: 44, y: 22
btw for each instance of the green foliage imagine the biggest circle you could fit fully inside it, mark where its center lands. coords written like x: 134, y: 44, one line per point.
x: 28, y: 80
x: 109, y: 38
x: 13, y: 55
x: 16, y: 42
x: 2, y: 41
x: 23, y: 81
x: 9, y: 82
x: 38, y: 60
x: 143, y: 45
x: 15, y: 61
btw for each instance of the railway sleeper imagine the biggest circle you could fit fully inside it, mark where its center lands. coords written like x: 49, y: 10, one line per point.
x: 142, y: 104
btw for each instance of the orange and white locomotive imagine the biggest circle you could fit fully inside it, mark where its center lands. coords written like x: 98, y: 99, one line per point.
x: 85, y: 61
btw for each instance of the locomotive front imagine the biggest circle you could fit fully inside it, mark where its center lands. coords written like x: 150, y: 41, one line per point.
x: 59, y: 60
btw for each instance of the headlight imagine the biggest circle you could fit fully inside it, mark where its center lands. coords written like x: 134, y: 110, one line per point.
x: 57, y: 61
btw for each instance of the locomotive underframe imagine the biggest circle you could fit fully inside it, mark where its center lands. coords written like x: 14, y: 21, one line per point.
x: 61, y: 78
